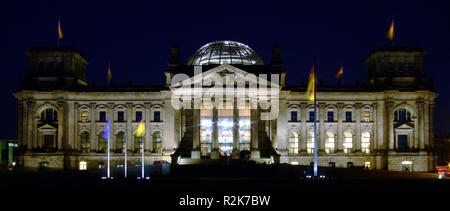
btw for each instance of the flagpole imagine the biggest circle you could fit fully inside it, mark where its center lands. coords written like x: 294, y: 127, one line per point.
x: 315, y: 119
x: 108, y: 174
x: 393, y: 32
x: 125, y: 155
x: 142, y: 163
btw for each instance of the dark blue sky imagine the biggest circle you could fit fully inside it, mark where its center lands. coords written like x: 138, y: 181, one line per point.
x: 135, y: 37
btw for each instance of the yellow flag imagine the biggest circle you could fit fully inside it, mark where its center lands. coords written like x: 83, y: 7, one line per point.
x: 60, y: 34
x: 311, y: 85
x: 390, y: 32
x: 141, y: 129
x: 340, y: 72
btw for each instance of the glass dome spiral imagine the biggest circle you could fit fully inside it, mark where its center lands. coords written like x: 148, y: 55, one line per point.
x: 225, y: 52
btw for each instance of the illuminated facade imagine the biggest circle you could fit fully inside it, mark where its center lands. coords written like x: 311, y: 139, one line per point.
x: 386, y: 123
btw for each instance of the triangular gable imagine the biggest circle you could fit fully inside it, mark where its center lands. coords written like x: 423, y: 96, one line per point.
x: 404, y: 125
x: 218, y: 76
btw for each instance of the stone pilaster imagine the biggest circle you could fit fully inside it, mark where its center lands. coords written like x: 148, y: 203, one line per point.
x: 357, y: 142
x: 20, y: 112
x: 195, y: 154
x: 431, y: 128
x: 340, y: 133
x: 148, y: 136
x: 421, y: 124
x: 112, y: 138
x: 93, y: 133
x: 215, y: 135
x: 254, y: 123
x: 129, y: 132
x: 236, y: 137
x: 374, y: 139
x: 304, y: 135
x: 390, y: 124
x: 321, y: 135
x: 61, y: 125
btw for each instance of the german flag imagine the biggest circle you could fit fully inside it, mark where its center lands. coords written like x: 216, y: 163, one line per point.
x: 390, y: 32
x: 60, y: 34
x: 311, y: 85
x: 141, y: 129
x: 109, y: 73
x: 340, y: 72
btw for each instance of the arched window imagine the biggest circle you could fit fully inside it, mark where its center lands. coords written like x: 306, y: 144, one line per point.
x: 402, y: 115
x: 293, y: 142
x: 348, y: 142
x: 157, y: 142
x: 84, y: 116
x: 49, y: 115
x: 120, y: 137
x: 85, y: 144
x: 365, y: 142
x: 138, y: 144
x: 310, y: 143
x: 329, y: 142
x: 102, y: 143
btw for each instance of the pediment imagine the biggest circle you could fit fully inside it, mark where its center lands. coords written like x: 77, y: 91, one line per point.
x: 404, y: 125
x: 223, y: 75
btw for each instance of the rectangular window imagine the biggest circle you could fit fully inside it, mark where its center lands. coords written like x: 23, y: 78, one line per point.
x: 348, y: 116
x: 293, y: 116
x: 48, y: 142
x: 120, y: 116
x: 84, y: 116
x: 402, y: 142
x: 102, y: 116
x: 138, y: 116
x: 330, y: 116
x: 366, y: 117
x: 157, y: 116
x: 311, y: 116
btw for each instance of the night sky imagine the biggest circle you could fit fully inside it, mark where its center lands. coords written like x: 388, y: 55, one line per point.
x: 135, y: 36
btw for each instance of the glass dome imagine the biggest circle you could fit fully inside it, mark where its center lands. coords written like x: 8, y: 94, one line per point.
x: 225, y: 52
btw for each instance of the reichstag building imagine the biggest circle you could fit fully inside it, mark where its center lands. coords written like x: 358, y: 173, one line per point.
x: 224, y: 101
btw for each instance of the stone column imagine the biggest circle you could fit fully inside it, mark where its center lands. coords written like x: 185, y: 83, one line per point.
x: 373, y: 138
x: 112, y: 138
x: 195, y: 154
x: 340, y: 133
x: 431, y: 129
x: 420, y: 126
x: 236, y: 149
x: 93, y: 133
x: 254, y: 123
x: 74, y: 141
x: 61, y: 120
x: 215, y: 135
x: 357, y: 142
x: 282, y: 139
x: 129, y: 129
x: 304, y: 132
x: 20, y: 121
x: 321, y: 134
x: 148, y: 136
x: 390, y: 124
x: 26, y: 126
x: 30, y: 125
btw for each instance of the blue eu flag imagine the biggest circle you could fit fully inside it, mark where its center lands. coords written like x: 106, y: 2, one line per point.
x: 106, y: 132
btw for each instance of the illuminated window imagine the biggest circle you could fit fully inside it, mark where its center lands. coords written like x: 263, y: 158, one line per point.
x: 138, y: 144
x: 120, y: 142
x: 119, y: 165
x: 84, y: 116
x: 85, y: 143
x: 329, y: 142
x: 293, y: 143
x: 206, y: 128
x: 244, y: 129
x: 83, y: 165
x: 102, y: 143
x: 348, y: 142
x: 310, y: 143
x: 157, y: 142
x: 225, y: 135
x: 407, y: 165
x: 402, y: 115
x: 350, y: 165
x: 365, y: 142
x: 101, y: 165
x: 366, y: 116
x: 367, y: 165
